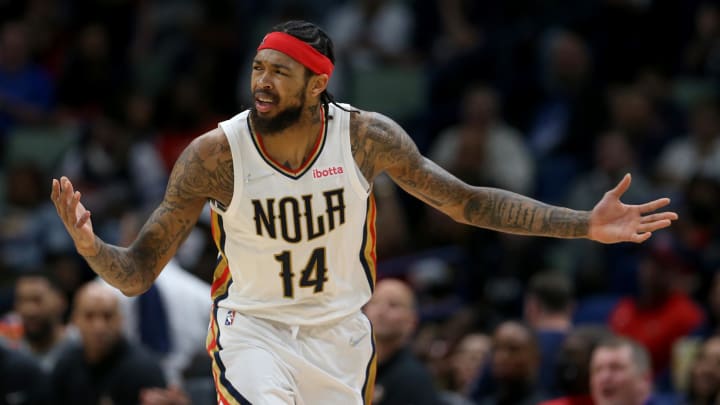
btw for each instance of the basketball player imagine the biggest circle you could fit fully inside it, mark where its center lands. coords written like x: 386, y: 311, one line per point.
x: 290, y: 182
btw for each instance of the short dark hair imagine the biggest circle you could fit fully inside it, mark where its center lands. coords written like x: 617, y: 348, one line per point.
x: 553, y: 290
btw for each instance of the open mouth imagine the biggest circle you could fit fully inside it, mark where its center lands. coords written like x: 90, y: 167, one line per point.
x: 264, y: 102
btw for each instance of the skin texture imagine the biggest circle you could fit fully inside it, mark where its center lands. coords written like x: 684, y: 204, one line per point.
x: 96, y: 314
x: 615, y: 380
x: 205, y: 172
x: 392, y: 312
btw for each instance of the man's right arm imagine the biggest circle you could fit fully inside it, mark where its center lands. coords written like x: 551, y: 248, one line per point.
x: 203, y: 171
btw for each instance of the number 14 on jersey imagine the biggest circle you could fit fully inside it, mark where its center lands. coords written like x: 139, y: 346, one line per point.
x: 313, y: 275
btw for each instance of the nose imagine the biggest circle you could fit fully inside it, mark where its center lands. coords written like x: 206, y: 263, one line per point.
x: 263, y: 81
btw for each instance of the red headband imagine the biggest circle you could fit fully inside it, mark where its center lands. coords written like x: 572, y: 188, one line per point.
x: 298, y: 50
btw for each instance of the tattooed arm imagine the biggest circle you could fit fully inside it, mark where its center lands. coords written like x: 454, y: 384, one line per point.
x: 379, y: 144
x: 204, y: 170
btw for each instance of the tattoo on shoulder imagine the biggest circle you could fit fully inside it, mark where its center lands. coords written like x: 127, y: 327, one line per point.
x: 205, y: 169
x: 376, y: 141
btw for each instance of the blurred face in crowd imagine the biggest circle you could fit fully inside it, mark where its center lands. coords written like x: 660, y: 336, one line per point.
x: 704, y: 122
x: 515, y: 354
x: 279, y: 86
x: 392, y: 311
x: 480, y: 107
x: 469, y: 356
x: 40, y: 307
x: 705, y: 372
x: 613, y: 152
x: 615, y: 379
x: 97, y: 317
x: 573, y: 364
x: 13, y: 46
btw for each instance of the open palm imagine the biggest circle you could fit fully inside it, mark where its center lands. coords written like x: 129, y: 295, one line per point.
x: 612, y: 221
x: 74, y: 215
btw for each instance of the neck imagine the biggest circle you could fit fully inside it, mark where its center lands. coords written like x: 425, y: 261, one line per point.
x: 386, y: 349
x: 557, y: 322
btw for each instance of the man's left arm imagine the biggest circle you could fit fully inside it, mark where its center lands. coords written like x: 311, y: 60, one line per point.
x: 380, y: 144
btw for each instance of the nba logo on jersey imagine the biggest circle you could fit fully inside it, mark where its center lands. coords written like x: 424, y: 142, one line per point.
x: 229, y: 318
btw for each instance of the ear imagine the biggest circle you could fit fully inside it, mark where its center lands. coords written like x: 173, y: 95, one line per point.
x: 318, y: 84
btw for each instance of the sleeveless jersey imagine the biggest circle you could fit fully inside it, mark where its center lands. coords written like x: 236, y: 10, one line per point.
x: 296, y: 247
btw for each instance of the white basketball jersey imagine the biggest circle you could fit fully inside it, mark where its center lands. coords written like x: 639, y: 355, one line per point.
x: 295, y: 246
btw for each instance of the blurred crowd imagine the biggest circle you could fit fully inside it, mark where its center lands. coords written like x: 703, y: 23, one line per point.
x: 555, y: 99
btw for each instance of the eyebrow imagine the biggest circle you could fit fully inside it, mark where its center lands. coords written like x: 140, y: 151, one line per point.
x: 275, y: 65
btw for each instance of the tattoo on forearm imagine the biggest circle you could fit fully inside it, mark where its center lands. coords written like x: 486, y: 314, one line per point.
x: 509, y: 212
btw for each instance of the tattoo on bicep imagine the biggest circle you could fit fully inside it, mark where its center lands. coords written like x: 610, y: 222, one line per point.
x: 379, y: 143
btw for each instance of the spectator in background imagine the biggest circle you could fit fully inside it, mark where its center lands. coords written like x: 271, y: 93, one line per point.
x: 466, y: 362
x: 182, y: 114
x: 704, y: 382
x: 637, y: 117
x: 661, y: 313
x: 22, y: 380
x: 116, y: 170
x: 401, y: 378
x: 696, y: 153
x: 620, y: 373
x: 697, y: 234
x: 28, y: 224
x: 396, y: 237
x: 481, y: 148
x: 572, y: 371
x: 370, y: 33
x: 26, y: 91
x: 711, y: 325
x: 598, y: 268
x: 613, y: 157
x: 568, y: 110
x: 90, y: 78
x: 104, y: 366
x: 41, y: 304
x: 171, y: 319
x: 514, y: 366
x: 548, y: 310
x: 702, y: 52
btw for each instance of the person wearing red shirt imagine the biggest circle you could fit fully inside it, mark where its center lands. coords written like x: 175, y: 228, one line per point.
x: 661, y: 313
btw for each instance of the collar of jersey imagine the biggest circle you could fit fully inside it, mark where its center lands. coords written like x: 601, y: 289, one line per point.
x: 311, y: 158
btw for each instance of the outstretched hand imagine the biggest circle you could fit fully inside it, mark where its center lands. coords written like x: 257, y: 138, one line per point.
x: 612, y: 221
x: 74, y: 215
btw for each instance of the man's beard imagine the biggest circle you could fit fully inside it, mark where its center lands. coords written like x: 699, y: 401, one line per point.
x: 41, y: 333
x: 283, y: 120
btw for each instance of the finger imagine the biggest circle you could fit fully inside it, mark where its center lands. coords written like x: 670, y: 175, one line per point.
x: 54, y: 190
x: 66, y: 188
x: 654, y: 226
x: 640, y: 237
x: 84, y: 218
x: 74, y: 200
x: 659, y: 217
x: 622, y: 186
x: 654, y: 205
